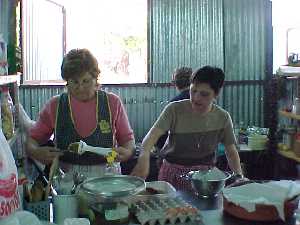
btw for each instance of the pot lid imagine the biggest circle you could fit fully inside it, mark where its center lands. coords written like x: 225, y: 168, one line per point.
x: 113, y: 186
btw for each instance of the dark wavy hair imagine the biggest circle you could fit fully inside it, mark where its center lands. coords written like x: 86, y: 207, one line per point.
x: 213, y: 76
x: 79, y: 61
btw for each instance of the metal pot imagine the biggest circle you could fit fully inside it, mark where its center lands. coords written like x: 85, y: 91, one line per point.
x: 205, y: 185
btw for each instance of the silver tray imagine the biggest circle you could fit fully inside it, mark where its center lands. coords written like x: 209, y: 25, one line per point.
x: 114, y: 187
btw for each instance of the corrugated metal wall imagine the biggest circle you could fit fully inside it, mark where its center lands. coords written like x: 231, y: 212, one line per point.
x: 230, y: 34
x: 144, y: 103
x: 43, y: 39
x: 245, y: 39
x: 4, y: 18
x: 184, y: 33
x: 244, y: 102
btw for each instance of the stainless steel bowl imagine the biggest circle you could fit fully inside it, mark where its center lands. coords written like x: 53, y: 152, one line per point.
x: 207, y: 187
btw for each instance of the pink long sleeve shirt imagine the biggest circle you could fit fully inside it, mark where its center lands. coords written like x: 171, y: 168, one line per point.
x: 84, y: 114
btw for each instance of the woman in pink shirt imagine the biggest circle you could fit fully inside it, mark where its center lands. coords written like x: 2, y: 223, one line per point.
x: 85, y: 113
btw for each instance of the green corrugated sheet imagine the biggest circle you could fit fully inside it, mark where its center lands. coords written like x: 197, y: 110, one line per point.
x: 4, y: 18
x: 184, y: 33
x: 245, y: 32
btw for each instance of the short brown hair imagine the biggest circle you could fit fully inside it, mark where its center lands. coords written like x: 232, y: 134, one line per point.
x: 213, y: 76
x: 79, y: 61
x: 181, y: 77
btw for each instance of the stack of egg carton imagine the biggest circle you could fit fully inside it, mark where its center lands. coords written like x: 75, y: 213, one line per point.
x: 164, y: 211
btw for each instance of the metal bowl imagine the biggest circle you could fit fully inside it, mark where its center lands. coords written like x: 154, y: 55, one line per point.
x: 207, y: 186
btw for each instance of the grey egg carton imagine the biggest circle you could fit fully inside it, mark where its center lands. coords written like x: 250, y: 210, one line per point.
x: 164, y: 211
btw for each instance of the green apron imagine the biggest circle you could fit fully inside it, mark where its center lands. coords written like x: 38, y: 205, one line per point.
x: 65, y: 132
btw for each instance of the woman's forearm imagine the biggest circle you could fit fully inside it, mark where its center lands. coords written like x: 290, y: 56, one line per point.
x: 130, y: 146
x: 31, y: 147
x: 150, y: 139
x: 126, y: 151
x: 44, y: 154
x: 233, y: 159
x: 143, y: 164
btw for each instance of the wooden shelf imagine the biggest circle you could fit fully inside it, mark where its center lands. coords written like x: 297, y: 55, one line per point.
x: 289, y: 115
x: 9, y: 79
x: 289, y: 154
x: 289, y: 71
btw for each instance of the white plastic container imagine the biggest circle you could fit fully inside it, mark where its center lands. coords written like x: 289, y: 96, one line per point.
x: 64, y: 206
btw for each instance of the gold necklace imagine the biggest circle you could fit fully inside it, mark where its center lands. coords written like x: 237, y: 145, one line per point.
x: 199, y: 136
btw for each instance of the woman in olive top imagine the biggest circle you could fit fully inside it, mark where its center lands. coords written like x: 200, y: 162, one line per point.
x: 196, y: 126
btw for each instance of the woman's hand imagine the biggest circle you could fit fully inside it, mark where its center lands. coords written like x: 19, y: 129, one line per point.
x: 45, y: 155
x: 123, y: 154
x: 143, y: 166
x: 237, y: 180
x: 125, y: 151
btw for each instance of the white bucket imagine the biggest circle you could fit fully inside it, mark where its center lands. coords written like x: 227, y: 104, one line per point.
x: 64, y: 206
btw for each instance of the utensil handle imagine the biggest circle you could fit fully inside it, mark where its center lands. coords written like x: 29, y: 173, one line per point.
x: 53, y: 168
x: 97, y: 150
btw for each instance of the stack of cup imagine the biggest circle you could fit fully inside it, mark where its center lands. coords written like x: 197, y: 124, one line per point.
x: 64, y: 206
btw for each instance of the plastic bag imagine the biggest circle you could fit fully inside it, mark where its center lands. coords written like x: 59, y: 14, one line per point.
x: 24, y: 120
x: 9, y: 196
x: 25, y: 124
x: 21, y: 218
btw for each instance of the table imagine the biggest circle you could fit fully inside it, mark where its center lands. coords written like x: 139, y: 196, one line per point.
x: 254, y: 163
x: 212, y: 212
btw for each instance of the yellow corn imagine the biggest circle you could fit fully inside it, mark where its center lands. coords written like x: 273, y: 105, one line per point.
x: 111, y: 157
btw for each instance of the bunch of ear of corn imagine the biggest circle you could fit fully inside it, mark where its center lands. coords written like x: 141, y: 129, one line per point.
x: 111, y: 157
x: 7, y: 121
x: 74, y: 147
x: 80, y: 147
x: 34, y: 192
